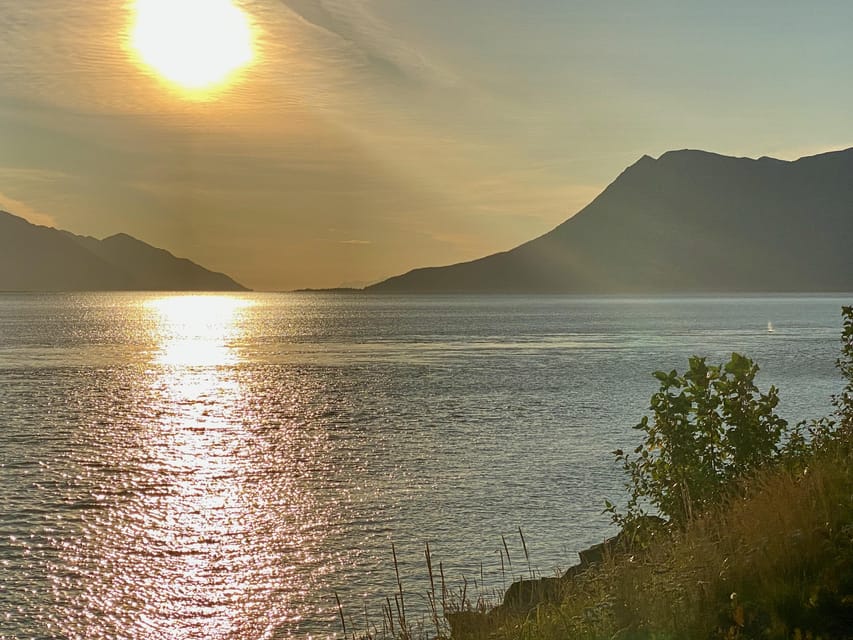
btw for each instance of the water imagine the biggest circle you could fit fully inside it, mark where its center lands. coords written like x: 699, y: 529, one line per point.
x: 218, y: 466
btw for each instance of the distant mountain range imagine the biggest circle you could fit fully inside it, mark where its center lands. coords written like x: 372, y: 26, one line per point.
x: 36, y: 258
x: 688, y: 222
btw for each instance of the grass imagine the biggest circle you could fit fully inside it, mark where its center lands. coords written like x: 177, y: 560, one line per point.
x: 774, y: 563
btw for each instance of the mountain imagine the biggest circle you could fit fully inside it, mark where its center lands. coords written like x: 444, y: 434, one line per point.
x: 36, y: 258
x: 688, y: 222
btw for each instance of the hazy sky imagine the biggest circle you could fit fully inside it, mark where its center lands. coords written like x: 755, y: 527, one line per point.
x: 368, y: 137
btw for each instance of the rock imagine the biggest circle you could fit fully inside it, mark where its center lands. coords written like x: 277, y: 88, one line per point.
x: 524, y: 595
x: 644, y: 528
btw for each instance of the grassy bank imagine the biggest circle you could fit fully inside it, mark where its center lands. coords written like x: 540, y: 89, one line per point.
x: 776, y: 562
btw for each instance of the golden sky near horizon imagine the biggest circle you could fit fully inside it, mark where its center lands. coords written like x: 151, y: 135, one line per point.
x: 314, y: 143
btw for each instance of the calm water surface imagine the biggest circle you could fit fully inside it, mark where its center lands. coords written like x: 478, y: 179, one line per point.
x: 218, y: 466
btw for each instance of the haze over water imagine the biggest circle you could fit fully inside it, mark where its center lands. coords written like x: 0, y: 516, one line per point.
x: 217, y: 466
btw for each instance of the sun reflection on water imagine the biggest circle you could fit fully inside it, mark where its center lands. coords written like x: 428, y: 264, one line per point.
x: 200, y: 526
x: 191, y: 547
x: 198, y: 330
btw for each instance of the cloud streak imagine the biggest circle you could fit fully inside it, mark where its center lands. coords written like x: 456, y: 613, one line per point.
x: 372, y: 41
x: 24, y: 210
x: 467, y: 126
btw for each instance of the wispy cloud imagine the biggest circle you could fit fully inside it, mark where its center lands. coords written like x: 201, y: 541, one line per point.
x: 24, y: 210
x: 33, y: 181
x: 468, y: 126
x: 370, y: 40
x: 351, y: 115
x: 30, y: 174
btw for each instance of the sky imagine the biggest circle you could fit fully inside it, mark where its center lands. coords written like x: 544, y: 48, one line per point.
x: 369, y: 137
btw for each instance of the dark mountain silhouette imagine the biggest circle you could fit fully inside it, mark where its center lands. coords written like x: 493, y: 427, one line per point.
x: 688, y: 222
x: 36, y: 258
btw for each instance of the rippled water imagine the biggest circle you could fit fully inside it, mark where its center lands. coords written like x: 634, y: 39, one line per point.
x: 218, y: 466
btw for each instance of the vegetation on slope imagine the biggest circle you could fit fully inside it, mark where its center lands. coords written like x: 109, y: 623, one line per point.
x: 774, y: 562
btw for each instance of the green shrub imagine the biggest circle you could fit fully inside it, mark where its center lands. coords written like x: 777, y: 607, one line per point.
x: 709, y: 427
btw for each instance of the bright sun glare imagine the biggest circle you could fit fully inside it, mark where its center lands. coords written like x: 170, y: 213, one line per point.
x: 195, y: 44
x: 197, y: 330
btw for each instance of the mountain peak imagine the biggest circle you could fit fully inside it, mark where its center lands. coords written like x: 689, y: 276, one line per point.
x: 35, y: 258
x: 691, y: 221
x: 695, y: 155
x: 121, y: 237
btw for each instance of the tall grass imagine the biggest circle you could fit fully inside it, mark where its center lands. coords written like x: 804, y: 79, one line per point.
x: 776, y: 562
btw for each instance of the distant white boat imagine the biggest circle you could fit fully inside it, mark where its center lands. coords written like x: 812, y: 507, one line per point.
x: 770, y: 328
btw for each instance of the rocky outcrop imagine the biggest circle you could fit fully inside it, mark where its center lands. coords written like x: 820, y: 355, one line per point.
x: 525, y: 595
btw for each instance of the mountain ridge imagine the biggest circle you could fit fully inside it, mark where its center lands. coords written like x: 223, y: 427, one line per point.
x: 39, y: 258
x: 690, y: 221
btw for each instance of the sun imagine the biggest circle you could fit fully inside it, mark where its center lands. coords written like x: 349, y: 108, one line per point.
x: 194, y: 44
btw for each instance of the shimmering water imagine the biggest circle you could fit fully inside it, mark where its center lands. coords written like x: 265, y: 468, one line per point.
x: 218, y: 466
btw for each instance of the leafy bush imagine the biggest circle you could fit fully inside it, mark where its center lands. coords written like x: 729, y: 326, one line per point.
x: 712, y: 426
x: 708, y: 428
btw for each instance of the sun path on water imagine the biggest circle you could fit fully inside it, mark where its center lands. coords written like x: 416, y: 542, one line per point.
x: 196, y: 45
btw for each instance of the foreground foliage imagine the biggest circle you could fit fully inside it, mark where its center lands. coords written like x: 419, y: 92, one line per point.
x: 775, y: 562
x: 709, y: 428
